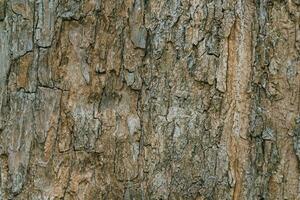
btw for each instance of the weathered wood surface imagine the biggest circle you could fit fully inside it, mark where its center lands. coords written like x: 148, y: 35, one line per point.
x: 149, y: 99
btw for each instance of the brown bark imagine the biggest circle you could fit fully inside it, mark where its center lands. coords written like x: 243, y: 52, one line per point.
x: 149, y: 99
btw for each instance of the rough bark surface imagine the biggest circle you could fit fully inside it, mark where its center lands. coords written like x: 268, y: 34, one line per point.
x: 149, y: 99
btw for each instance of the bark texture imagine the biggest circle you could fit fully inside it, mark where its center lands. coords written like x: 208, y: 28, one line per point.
x: 149, y: 99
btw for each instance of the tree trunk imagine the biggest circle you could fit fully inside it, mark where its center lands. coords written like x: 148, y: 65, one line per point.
x: 149, y: 99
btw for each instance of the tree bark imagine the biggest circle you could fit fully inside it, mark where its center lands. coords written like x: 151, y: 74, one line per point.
x: 149, y: 99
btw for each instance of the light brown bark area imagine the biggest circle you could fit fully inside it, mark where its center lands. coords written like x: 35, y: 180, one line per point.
x: 147, y: 99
